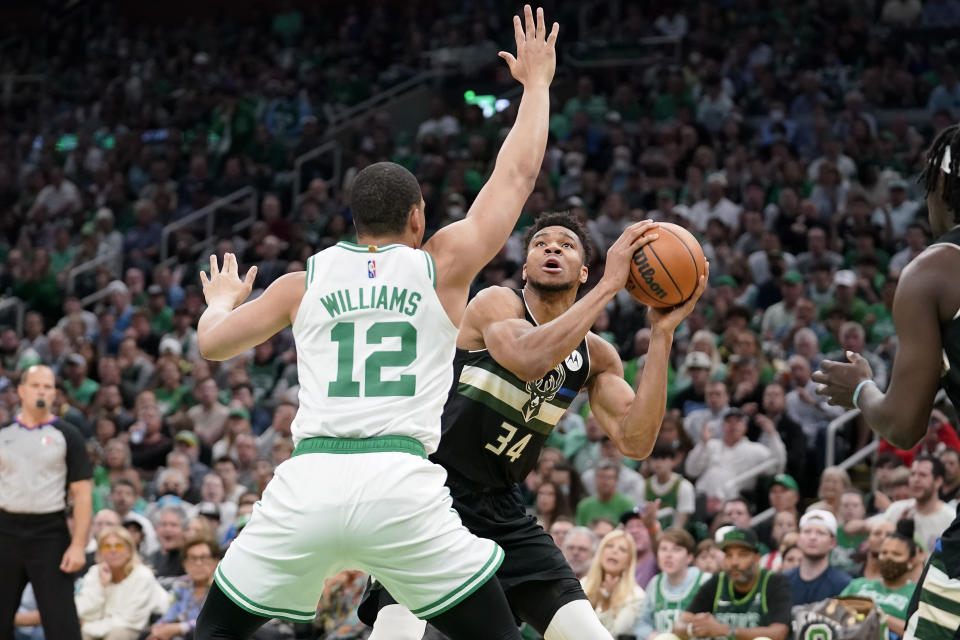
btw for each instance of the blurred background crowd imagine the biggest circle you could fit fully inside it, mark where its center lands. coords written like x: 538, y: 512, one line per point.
x: 786, y: 135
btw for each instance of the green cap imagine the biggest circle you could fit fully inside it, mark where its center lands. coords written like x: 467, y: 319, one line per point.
x: 730, y: 281
x: 239, y: 412
x: 741, y: 538
x: 793, y: 277
x: 786, y: 480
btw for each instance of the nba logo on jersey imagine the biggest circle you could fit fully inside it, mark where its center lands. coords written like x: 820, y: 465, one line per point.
x: 371, y: 268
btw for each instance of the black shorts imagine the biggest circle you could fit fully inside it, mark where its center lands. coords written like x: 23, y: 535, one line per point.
x: 531, y: 558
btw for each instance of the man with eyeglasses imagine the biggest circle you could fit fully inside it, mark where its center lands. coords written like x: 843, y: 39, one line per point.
x: 41, y: 459
x: 200, y: 558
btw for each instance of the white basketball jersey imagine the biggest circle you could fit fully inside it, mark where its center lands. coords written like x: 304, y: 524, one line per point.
x: 374, y: 345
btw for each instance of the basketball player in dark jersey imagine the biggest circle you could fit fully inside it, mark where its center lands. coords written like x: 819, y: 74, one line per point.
x: 926, y: 315
x: 522, y: 356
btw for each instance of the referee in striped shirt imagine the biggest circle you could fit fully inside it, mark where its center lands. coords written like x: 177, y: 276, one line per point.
x: 41, y: 458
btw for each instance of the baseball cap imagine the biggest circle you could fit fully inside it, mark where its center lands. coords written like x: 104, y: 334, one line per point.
x: 187, y: 437
x: 76, y: 359
x: 698, y: 360
x: 820, y: 517
x: 208, y: 509
x: 239, y: 412
x: 897, y: 183
x: 737, y: 536
x: 786, y: 480
x: 729, y: 281
x: 845, y: 278
x: 793, y: 277
x: 103, y: 213
x: 717, y: 177
x: 169, y: 344
x: 154, y: 290
x: 127, y: 522
x: 627, y: 516
x: 733, y: 412
x: 665, y: 193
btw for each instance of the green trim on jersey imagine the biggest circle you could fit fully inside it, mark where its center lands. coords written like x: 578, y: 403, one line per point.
x: 250, y: 606
x: 379, y: 444
x: 365, y: 248
x: 306, y: 284
x: 462, y: 592
x: 431, y: 269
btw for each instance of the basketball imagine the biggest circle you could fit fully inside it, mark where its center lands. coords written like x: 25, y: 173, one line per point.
x: 665, y: 272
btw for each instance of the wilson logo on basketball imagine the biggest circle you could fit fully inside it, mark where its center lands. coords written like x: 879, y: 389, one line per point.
x: 646, y: 272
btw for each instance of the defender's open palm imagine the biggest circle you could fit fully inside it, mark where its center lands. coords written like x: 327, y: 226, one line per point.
x: 536, y: 57
x: 224, y: 286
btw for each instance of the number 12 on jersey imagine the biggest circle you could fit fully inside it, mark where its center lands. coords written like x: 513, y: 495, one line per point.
x: 503, y: 440
x: 344, y: 386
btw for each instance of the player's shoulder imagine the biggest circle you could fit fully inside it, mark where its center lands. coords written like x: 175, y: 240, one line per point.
x: 496, y: 301
x: 602, y: 354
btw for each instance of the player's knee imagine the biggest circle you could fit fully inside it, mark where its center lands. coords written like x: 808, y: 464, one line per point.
x: 395, y: 622
x: 576, y: 621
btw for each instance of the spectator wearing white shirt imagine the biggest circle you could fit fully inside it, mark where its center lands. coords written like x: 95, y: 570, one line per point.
x: 709, y: 418
x: 811, y: 411
x: 715, y: 205
x: 59, y: 198
x: 903, y: 211
x: 714, y: 462
x: 916, y: 237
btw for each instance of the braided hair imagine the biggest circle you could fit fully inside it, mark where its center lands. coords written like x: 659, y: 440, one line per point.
x: 948, y: 139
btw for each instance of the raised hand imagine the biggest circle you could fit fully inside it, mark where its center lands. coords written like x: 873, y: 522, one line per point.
x: 617, y: 265
x: 224, y: 286
x: 536, y: 57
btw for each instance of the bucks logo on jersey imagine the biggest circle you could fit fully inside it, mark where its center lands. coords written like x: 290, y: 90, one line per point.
x: 543, y: 390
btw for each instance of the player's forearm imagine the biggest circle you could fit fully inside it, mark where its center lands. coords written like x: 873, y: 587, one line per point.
x: 209, y: 340
x: 82, y: 512
x: 522, y: 152
x: 641, y: 426
x: 552, y: 341
x: 887, y: 420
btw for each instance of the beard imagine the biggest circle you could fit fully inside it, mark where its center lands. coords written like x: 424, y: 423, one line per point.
x: 544, y: 287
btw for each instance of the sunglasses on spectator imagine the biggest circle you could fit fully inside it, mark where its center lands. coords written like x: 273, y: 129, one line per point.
x: 116, y: 546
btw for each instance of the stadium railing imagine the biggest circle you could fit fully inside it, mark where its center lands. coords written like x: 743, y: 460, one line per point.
x: 239, y: 200
x: 14, y: 307
x: 333, y: 148
x: 113, y: 259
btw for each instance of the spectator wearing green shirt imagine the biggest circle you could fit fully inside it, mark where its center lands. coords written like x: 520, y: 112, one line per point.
x: 161, y: 315
x: 586, y: 100
x: 893, y: 591
x: 78, y: 386
x: 608, y: 503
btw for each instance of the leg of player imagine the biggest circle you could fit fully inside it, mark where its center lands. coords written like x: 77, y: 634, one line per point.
x: 395, y: 622
x: 484, y: 615
x: 576, y: 621
x: 221, y: 619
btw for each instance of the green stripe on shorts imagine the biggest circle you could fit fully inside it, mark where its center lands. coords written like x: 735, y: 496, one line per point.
x: 459, y: 594
x: 250, y: 606
x: 379, y: 444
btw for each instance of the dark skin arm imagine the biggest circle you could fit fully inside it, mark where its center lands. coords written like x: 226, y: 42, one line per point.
x: 921, y: 305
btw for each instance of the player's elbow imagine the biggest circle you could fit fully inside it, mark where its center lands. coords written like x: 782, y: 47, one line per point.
x: 531, y: 372
x: 209, y: 350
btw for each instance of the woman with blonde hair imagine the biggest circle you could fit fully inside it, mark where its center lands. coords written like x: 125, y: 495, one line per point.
x: 118, y: 594
x: 833, y: 482
x: 610, y: 584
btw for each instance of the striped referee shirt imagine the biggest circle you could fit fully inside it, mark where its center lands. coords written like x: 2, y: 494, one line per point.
x: 37, y: 465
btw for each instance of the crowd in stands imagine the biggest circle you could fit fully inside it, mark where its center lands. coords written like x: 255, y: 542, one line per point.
x: 787, y: 136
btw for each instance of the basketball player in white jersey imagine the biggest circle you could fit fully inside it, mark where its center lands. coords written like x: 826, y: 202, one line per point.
x: 375, y: 325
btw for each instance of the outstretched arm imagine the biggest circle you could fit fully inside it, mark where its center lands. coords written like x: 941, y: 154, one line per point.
x: 463, y: 248
x: 225, y: 329
x: 528, y: 351
x: 632, y: 421
x: 901, y: 414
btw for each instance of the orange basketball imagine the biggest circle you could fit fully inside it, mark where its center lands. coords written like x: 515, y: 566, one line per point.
x: 665, y: 272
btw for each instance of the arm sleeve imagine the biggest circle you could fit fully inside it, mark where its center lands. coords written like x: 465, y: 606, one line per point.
x: 703, y: 601
x: 686, y: 497
x: 78, y: 462
x: 779, y: 601
x: 644, y: 626
x: 774, y: 445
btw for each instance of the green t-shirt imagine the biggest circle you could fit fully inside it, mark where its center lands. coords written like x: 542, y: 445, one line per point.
x: 162, y: 322
x: 893, y: 602
x: 170, y: 401
x: 842, y: 555
x: 591, y: 508
x: 82, y: 394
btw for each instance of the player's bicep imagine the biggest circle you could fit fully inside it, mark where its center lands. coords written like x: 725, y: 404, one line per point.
x: 256, y: 321
x: 610, y: 395
x: 503, y: 340
x: 917, y: 366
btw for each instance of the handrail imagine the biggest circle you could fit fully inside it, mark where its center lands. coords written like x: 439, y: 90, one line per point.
x: 19, y: 309
x: 832, y: 428
x: 750, y: 474
x: 89, y: 265
x: 342, y: 119
x: 209, y: 212
x: 96, y: 296
x: 330, y: 146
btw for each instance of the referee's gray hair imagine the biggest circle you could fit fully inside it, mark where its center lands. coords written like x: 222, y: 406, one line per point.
x: 583, y: 531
